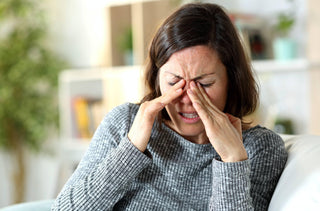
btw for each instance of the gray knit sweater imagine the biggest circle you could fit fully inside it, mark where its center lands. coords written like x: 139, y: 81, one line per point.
x: 173, y: 173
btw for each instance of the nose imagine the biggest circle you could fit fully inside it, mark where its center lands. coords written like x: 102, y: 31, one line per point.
x: 184, y: 98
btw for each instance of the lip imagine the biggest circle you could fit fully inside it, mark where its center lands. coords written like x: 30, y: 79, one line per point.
x: 189, y: 117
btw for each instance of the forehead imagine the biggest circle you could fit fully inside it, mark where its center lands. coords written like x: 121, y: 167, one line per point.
x: 192, y: 62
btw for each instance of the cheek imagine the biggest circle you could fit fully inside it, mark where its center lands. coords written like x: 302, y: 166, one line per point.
x: 218, y: 97
x: 163, y: 88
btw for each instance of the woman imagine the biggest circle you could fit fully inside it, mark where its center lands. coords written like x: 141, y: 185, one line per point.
x: 186, y: 146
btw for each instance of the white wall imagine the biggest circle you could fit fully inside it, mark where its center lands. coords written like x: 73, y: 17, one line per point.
x: 42, y: 171
x: 78, y: 31
x: 285, y: 95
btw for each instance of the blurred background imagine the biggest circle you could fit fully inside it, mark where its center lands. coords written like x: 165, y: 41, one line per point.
x: 65, y: 64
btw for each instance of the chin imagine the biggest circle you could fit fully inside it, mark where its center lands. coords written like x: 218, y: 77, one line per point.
x: 192, y: 132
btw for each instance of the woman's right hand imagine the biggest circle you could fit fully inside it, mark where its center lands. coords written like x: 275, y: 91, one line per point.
x: 140, y: 131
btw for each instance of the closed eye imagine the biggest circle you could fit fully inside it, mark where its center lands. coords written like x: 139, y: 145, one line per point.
x: 172, y: 83
x: 206, y: 85
x: 201, y: 84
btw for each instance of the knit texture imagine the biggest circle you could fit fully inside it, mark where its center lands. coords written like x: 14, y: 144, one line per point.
x: 173, y: 173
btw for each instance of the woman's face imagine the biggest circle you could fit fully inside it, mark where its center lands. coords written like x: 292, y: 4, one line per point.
x: 201, y: 65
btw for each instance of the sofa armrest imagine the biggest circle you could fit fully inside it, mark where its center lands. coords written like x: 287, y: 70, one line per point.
x: 299, y: 185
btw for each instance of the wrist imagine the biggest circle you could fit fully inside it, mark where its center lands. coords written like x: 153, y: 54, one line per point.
x: 235, y: 157
x: 138, y: 144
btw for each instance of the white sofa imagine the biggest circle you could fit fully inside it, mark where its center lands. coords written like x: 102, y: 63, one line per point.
x: 298, y: 187
x: 299, y: 184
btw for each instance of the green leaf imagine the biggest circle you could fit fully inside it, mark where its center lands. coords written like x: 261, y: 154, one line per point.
x: 28, y: 76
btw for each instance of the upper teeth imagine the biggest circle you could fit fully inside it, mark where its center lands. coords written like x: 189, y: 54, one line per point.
x: 190, y: 115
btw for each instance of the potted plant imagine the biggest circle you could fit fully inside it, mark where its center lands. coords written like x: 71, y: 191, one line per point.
x: 28, y: 84
x: 284, y: 46
x: 125, y: 44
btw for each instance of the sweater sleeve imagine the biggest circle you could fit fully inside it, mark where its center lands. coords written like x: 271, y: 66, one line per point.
x: 107, y: 168
x: 249, y: 184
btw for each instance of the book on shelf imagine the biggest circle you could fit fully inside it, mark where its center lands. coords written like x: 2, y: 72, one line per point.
x: 87, y: 115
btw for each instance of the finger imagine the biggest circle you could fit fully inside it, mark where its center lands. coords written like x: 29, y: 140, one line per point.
x: 206, y: 109
x: 201, y: 97
x: 151, y: 108
x: 207, y: 99
x: 154, y: 106
x: 198, y: 103
x: 172, y: 94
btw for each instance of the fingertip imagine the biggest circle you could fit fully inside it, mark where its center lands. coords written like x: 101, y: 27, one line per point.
x: 193, y: 84
x: 181, y: 82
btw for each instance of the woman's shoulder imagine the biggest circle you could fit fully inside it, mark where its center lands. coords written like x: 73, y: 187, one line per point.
x: 117, y: 122
x: 262, y: 137
x: 259, y: 130
x: 120, y: 116
x: 123, y: 111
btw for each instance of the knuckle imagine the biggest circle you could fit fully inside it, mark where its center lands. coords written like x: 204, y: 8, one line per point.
x: 208, y: 116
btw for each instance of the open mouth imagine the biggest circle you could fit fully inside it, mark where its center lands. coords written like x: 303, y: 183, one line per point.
x: 189, y: 115
x: 189, y: 118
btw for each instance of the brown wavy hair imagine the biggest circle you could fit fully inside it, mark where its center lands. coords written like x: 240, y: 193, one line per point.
x: 204, y: 24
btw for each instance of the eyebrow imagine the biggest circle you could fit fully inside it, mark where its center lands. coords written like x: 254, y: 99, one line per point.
x: 193, y: 79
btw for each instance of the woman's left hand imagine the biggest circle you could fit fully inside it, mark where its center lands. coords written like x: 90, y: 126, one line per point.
x: 223, y: 130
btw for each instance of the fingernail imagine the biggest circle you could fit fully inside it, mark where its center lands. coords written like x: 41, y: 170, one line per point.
x: 189, y: 91
x: 179, y: 90
x: 192, y: 84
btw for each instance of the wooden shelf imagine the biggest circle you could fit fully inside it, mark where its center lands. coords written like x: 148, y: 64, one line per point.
x: 273, y: 66
x: 143, y: 17
x: 111, y: 86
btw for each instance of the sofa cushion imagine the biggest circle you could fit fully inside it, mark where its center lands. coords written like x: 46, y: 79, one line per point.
x: 299, y: 185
